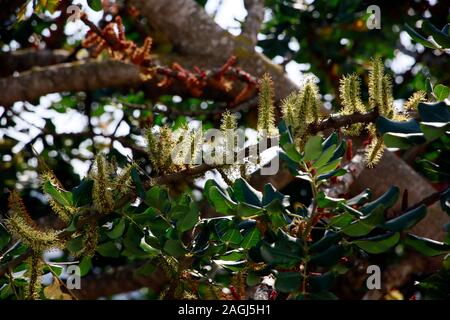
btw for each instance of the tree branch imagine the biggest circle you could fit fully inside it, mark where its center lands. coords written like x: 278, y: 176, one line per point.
x: 252, y: 23
x: 195, y: 34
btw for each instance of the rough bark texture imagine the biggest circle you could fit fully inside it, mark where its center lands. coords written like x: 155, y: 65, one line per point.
x: 76, y: 76
x: 255, y: 16
x: 26, y: 59
x: 194, y: 33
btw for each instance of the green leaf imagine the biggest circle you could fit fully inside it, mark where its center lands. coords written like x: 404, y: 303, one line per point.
x: 221, y: 201
x: 85, y: 266
x: 388, y: 199
x: 64, y: 198
x: 244, y: 192
x: 189, y: 220
x: 270, y: 194
x: 4, y: 237
x: 291, y: 150
x: 138, y: 183
x: 333, y: 173
x: 441, y: 92
x: 434, y: 130
x: 325, y: 242
x: 75, y: 244
x: 332, y: 139
x: 313, y: 148
x: 82, y: 194
x: 174, y: 247
x: 329, y: 257
x: 232, y: 236
x: 378, y: 244
x: 426, y: 246
x: 403, y: 141
x: 366, y: 224
x: 248, y: 210
x: 324, y: 157
x: 434, y: 111
x: 251, y: 239
x: 286, y: 251
x: 148, y: 248
x: 328, y: 167
x: 95, y: 5
x: 406, y: 220
x: 156, y: 197
x: 117, y: 230
x: 361, y: 198
x: 441, y: 38
x: 288, y: 281
x: 109, y: 249
x: 385, y: 125
x: 419, y: 38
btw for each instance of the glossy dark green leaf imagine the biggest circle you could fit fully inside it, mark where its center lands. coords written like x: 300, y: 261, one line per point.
x: 251, y: 238
x: 82, y: 194
x: 138, y: 183
x: 189, y: 220
x: 244, y: 192
x: 328, y: 257
x: 288, y: 281
x: 441, y: 38
x: 406, y: 220
x: 62, y: 197
x: 385, y: 125
x: 426, y: 246
x: 418, y: 37
x: 313, y: 148
x: 221, y: 201
x: 388, y: 199
x: 248, y: 210
x: 434, y: 111
x: 174, y: 247
x: 403, y: 141
x: 109, y: 249
x: 117, y: 230
x: 378, y: 244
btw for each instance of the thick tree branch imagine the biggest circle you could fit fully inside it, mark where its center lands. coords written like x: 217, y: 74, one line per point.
x: 252, y: 23
x: 195, y: 34
x: 75, y: 76
x: 29, y: 58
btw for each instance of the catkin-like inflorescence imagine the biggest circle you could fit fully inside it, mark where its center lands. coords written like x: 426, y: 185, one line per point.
x: 102, y: 194
x: 35, y: 270
x: 266, y: 108
x: 160, y: 146
x: 374, y: 151
x: 413, y: 101
x: 376, y: 83
x: 289, y: 109
x: 309, y: 103
x: 22, y: 227
x: 91, y: 238
x: 350, y: 95
x: 123, y: 179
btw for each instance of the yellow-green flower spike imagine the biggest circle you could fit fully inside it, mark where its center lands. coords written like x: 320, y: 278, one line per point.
x: 414, y: 100
x: 266, y: 108
x: 376, y: 83
x: 102, y: 189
